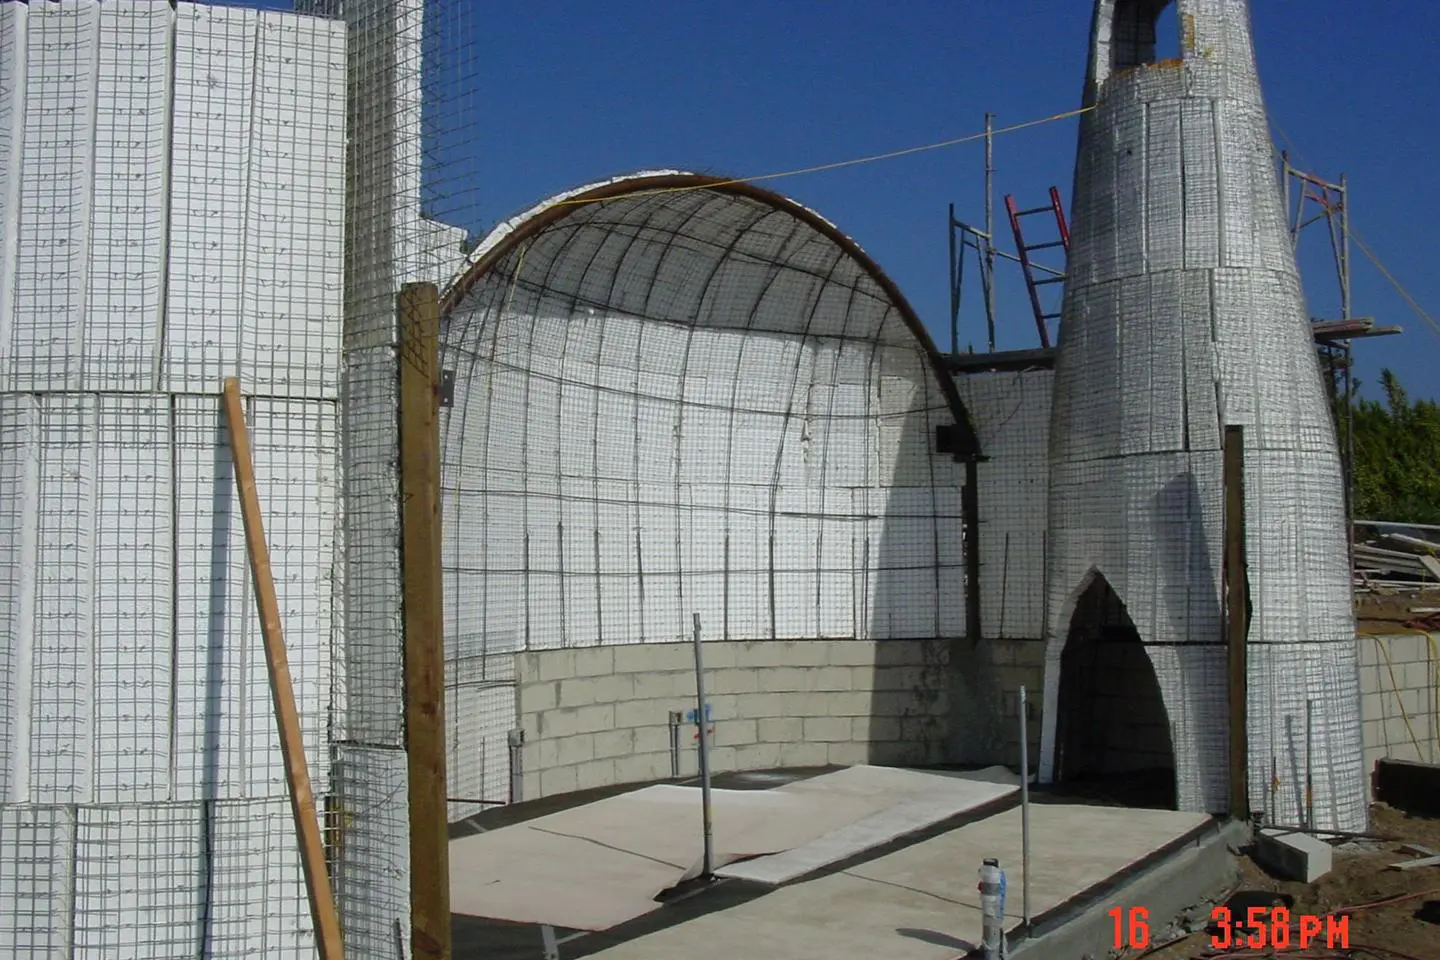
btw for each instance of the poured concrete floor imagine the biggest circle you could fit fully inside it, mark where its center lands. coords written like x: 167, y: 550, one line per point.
x: 599, y: 865
x: 921, y: 902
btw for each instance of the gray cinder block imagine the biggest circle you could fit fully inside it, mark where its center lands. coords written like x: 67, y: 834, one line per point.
x: 1293, y: 856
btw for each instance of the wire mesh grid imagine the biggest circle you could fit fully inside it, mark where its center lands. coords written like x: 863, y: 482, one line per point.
x: 171, y: 213
x: 1184, y: 314
x: 691, y: 402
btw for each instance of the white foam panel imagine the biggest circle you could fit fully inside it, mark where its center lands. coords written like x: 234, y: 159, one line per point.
x: 1153, y: 364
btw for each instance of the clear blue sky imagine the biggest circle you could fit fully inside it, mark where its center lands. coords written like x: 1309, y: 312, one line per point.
x: 559, y: 92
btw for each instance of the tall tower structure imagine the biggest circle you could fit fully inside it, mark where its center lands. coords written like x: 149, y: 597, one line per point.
x: 1184, y: 314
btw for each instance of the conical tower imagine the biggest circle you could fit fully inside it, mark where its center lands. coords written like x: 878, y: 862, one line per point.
x: 1184, y: 314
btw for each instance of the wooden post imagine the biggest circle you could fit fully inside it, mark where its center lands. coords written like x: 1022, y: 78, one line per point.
x: 423, y: 623
x: 1237, y: 618
x: 292, y: 747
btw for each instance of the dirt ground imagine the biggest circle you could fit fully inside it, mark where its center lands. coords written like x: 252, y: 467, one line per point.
x: 1406, y: 926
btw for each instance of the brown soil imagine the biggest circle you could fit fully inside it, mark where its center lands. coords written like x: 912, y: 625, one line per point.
x: 1379, y: 613
x: 1361, y: 877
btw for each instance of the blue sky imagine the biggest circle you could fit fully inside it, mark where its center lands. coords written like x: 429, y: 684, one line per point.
x: 559, y: 92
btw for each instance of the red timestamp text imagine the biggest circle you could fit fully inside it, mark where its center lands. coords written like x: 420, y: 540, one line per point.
x: 1278, y: 928
x: 1259, y: 928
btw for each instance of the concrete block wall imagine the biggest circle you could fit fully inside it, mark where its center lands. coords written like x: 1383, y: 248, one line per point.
x: 593, y: 717
x: 1399, y: 700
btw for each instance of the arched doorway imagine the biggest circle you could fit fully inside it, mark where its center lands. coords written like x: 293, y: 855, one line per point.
x: 1113, y: 737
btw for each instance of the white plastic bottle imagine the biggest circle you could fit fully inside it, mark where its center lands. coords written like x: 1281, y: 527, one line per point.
x: 992, y: 908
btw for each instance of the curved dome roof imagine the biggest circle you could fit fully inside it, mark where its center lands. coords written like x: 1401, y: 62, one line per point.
x: 699, y: 250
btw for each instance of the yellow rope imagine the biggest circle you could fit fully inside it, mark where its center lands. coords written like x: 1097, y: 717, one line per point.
x: 1395, y: 684
x: 838, y: 164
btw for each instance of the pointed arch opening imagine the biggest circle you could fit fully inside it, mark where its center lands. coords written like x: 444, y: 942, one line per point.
x: 1113, y: 735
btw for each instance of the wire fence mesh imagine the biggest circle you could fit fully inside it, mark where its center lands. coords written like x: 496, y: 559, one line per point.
x: 188, y: 192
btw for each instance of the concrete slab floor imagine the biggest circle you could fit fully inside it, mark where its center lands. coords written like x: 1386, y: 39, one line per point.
x: 599, y: 865
x: 921, y: 902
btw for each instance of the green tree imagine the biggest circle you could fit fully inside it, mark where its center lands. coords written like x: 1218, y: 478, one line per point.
x: 1397, y: 456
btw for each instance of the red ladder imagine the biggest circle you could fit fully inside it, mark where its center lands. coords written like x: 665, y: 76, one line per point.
x: 1057, y: 210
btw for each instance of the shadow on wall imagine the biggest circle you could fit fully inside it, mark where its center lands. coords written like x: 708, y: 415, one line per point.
x: 919, y: 596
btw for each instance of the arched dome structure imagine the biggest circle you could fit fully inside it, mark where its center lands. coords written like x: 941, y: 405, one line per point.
x: 675, y: 394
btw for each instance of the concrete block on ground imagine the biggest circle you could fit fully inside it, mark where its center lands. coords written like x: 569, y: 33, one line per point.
x: 1294, y: 856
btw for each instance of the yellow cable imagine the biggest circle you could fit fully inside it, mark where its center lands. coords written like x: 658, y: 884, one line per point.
x: 838, y: 164
x: 1395, y: 685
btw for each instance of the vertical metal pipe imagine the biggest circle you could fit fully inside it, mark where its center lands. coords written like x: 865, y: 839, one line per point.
x: 990, y: 228
x: 1309, y: 821
x: 1345, y: 304
x: 954, y: 290
x: 708, y: 864
x: 1024, y: 811
x: 676, y: 719
x: 516, y: 741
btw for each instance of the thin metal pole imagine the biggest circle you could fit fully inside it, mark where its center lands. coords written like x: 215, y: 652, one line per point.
x: 1345, y: 304
x: 990, y: 228
x: 1024, y: 812
x: 707, y: 865
x: 676, y: 719
x: 1309, y: 769
x: 954, y: 291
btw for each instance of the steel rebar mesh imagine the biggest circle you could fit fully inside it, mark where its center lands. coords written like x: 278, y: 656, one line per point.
x: 679, y: 402
x: 171, y: 208
x: 1183, y: 315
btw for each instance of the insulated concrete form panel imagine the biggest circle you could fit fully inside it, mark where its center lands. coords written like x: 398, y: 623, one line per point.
x: 1012, y: 415
x: 258, y: 208
x: 689, y: 402
x: 139, y: 757
x: 1184, y: 314
x: 36, y: 845
x: 52, y: 136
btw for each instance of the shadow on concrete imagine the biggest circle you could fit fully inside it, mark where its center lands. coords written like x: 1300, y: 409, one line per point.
x: 935, y: 938
x: 918, y: 558
x: 479, y: 938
